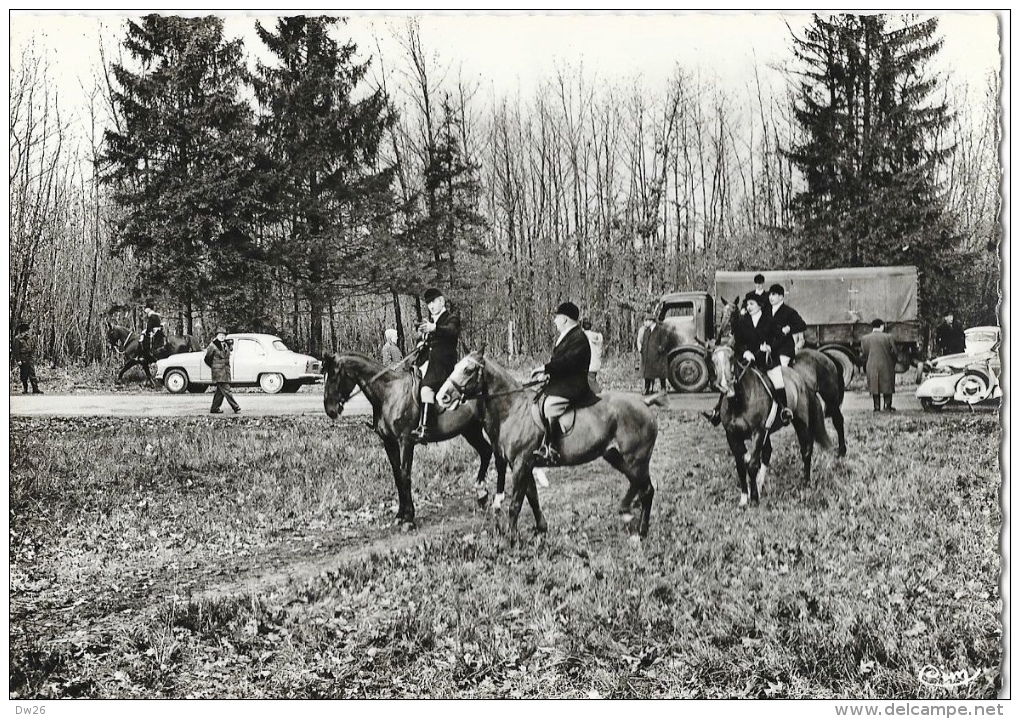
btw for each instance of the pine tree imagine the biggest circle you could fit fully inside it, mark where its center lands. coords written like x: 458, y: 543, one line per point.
x: 320, y: 130
x: 871, y: 121
x: 179, y: 157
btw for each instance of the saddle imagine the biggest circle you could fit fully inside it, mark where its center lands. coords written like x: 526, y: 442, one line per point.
x: 566, y: 420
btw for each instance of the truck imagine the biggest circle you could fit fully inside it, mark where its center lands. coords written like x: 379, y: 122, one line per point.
x: 837, y: 305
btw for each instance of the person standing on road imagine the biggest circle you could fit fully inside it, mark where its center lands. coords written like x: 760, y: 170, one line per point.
x: 217, y: 357
x: 391, y: 354
x: 653, y: 354
x: 595, y: 341
x: 878, y: 357
x: 23, y: 349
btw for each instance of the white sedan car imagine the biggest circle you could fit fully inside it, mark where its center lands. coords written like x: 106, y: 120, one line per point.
x: 256, y: 360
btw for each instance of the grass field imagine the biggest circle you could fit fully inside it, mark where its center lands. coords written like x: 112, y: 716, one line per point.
x: 257, y: 558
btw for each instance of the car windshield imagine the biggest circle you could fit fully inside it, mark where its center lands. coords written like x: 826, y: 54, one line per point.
x: 279, y: 345
x: 981, y: 340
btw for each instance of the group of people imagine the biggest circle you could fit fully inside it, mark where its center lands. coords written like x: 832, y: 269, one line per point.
x: 569, y: 378
x: 768, y: 333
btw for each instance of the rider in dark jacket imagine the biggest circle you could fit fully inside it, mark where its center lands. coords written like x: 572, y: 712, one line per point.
x: 153, y: 326
x: 440, y: 334
x: 567, y: 371
x: 785, y: 335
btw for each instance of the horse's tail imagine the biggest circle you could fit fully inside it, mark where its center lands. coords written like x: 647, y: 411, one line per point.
x: 658, y: 400
x: 817, y: 414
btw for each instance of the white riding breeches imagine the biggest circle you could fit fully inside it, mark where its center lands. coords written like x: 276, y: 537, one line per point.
x: 428, y: 395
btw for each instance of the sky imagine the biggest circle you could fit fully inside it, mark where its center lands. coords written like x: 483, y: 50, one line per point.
x: 513, y: 50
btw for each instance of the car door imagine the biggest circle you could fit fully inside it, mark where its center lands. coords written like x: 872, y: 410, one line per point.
x: 247, y: 360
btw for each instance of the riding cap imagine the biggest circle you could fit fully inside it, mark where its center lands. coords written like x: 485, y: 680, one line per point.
x: 221, y: 330
x: 777, y: 290
x: 877, y: 322
x: 569, y: 309
x: 752, y: 297
x: 148, y: 305
x: 759, y: 279
x: 650, y: 316
x: 430, y: 294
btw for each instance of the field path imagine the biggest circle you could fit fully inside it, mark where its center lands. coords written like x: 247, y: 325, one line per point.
x: 306, y: 402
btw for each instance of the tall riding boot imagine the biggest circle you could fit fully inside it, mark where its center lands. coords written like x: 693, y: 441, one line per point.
x: 547, y: 455
x: 423, y: 432
x: 648, y: 386
x: 785, y: 413
x: 876, y: 400
x: 888, y: 403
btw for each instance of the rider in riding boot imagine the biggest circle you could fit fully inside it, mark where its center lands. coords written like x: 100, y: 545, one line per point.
x: 786, y: 337
x: 749, y: 334
x: 439, y: 348
x: 567, y: 371
x: 153, y: 325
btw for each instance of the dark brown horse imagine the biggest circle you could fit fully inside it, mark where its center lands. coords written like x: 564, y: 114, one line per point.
x: 748, y: 411
x: 620, y: 428
x: 128, y: 343
x: 395, y: 412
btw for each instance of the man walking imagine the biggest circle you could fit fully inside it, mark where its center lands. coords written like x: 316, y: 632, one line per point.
x: 949, y: 337
x: 217, y: 357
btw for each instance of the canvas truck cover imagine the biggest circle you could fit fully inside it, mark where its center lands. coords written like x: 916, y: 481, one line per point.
x: 840, y: 296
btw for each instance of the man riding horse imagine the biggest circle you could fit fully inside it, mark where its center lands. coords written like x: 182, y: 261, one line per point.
x: 568, y: 384
x: 439, y: 349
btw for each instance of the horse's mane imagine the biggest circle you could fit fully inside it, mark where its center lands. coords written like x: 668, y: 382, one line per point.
x: 502, y: 373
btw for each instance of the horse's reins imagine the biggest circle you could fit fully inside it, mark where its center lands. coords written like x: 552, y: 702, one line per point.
x: 380, y: 373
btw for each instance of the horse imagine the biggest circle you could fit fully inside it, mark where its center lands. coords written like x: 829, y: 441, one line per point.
x: 395, y: 412
x: 748, y: 411
x: 128, y: 343
x: 621, y: 428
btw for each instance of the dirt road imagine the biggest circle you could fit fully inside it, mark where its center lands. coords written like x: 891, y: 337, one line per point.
x: 163, y: 404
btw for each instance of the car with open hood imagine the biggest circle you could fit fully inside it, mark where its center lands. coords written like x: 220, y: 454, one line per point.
x: 256, y: 360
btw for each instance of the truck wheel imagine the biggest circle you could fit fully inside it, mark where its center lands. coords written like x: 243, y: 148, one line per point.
x: 688, y: 372
x: 843, y: 361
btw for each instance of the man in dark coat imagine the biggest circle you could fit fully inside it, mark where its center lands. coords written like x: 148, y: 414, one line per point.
x: 439, y: 349
x: 567, y: 371
x: 949, y: 337
x: 153, y: 327
x: 878, y: 356
x: 217, y: 357
x: 786, y: 336
x: 652, y: 345
x: 23, y: 349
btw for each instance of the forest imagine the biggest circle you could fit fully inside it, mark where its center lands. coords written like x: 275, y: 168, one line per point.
x: 301, y: 189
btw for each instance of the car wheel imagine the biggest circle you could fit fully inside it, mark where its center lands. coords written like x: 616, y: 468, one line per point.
x: 688, y: 372
x: 933, y: 404
x: 973, y: 386
x: 175, y: 381
x: 271, y: 382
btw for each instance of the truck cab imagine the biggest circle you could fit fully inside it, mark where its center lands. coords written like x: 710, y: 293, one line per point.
x: 689, y: 321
